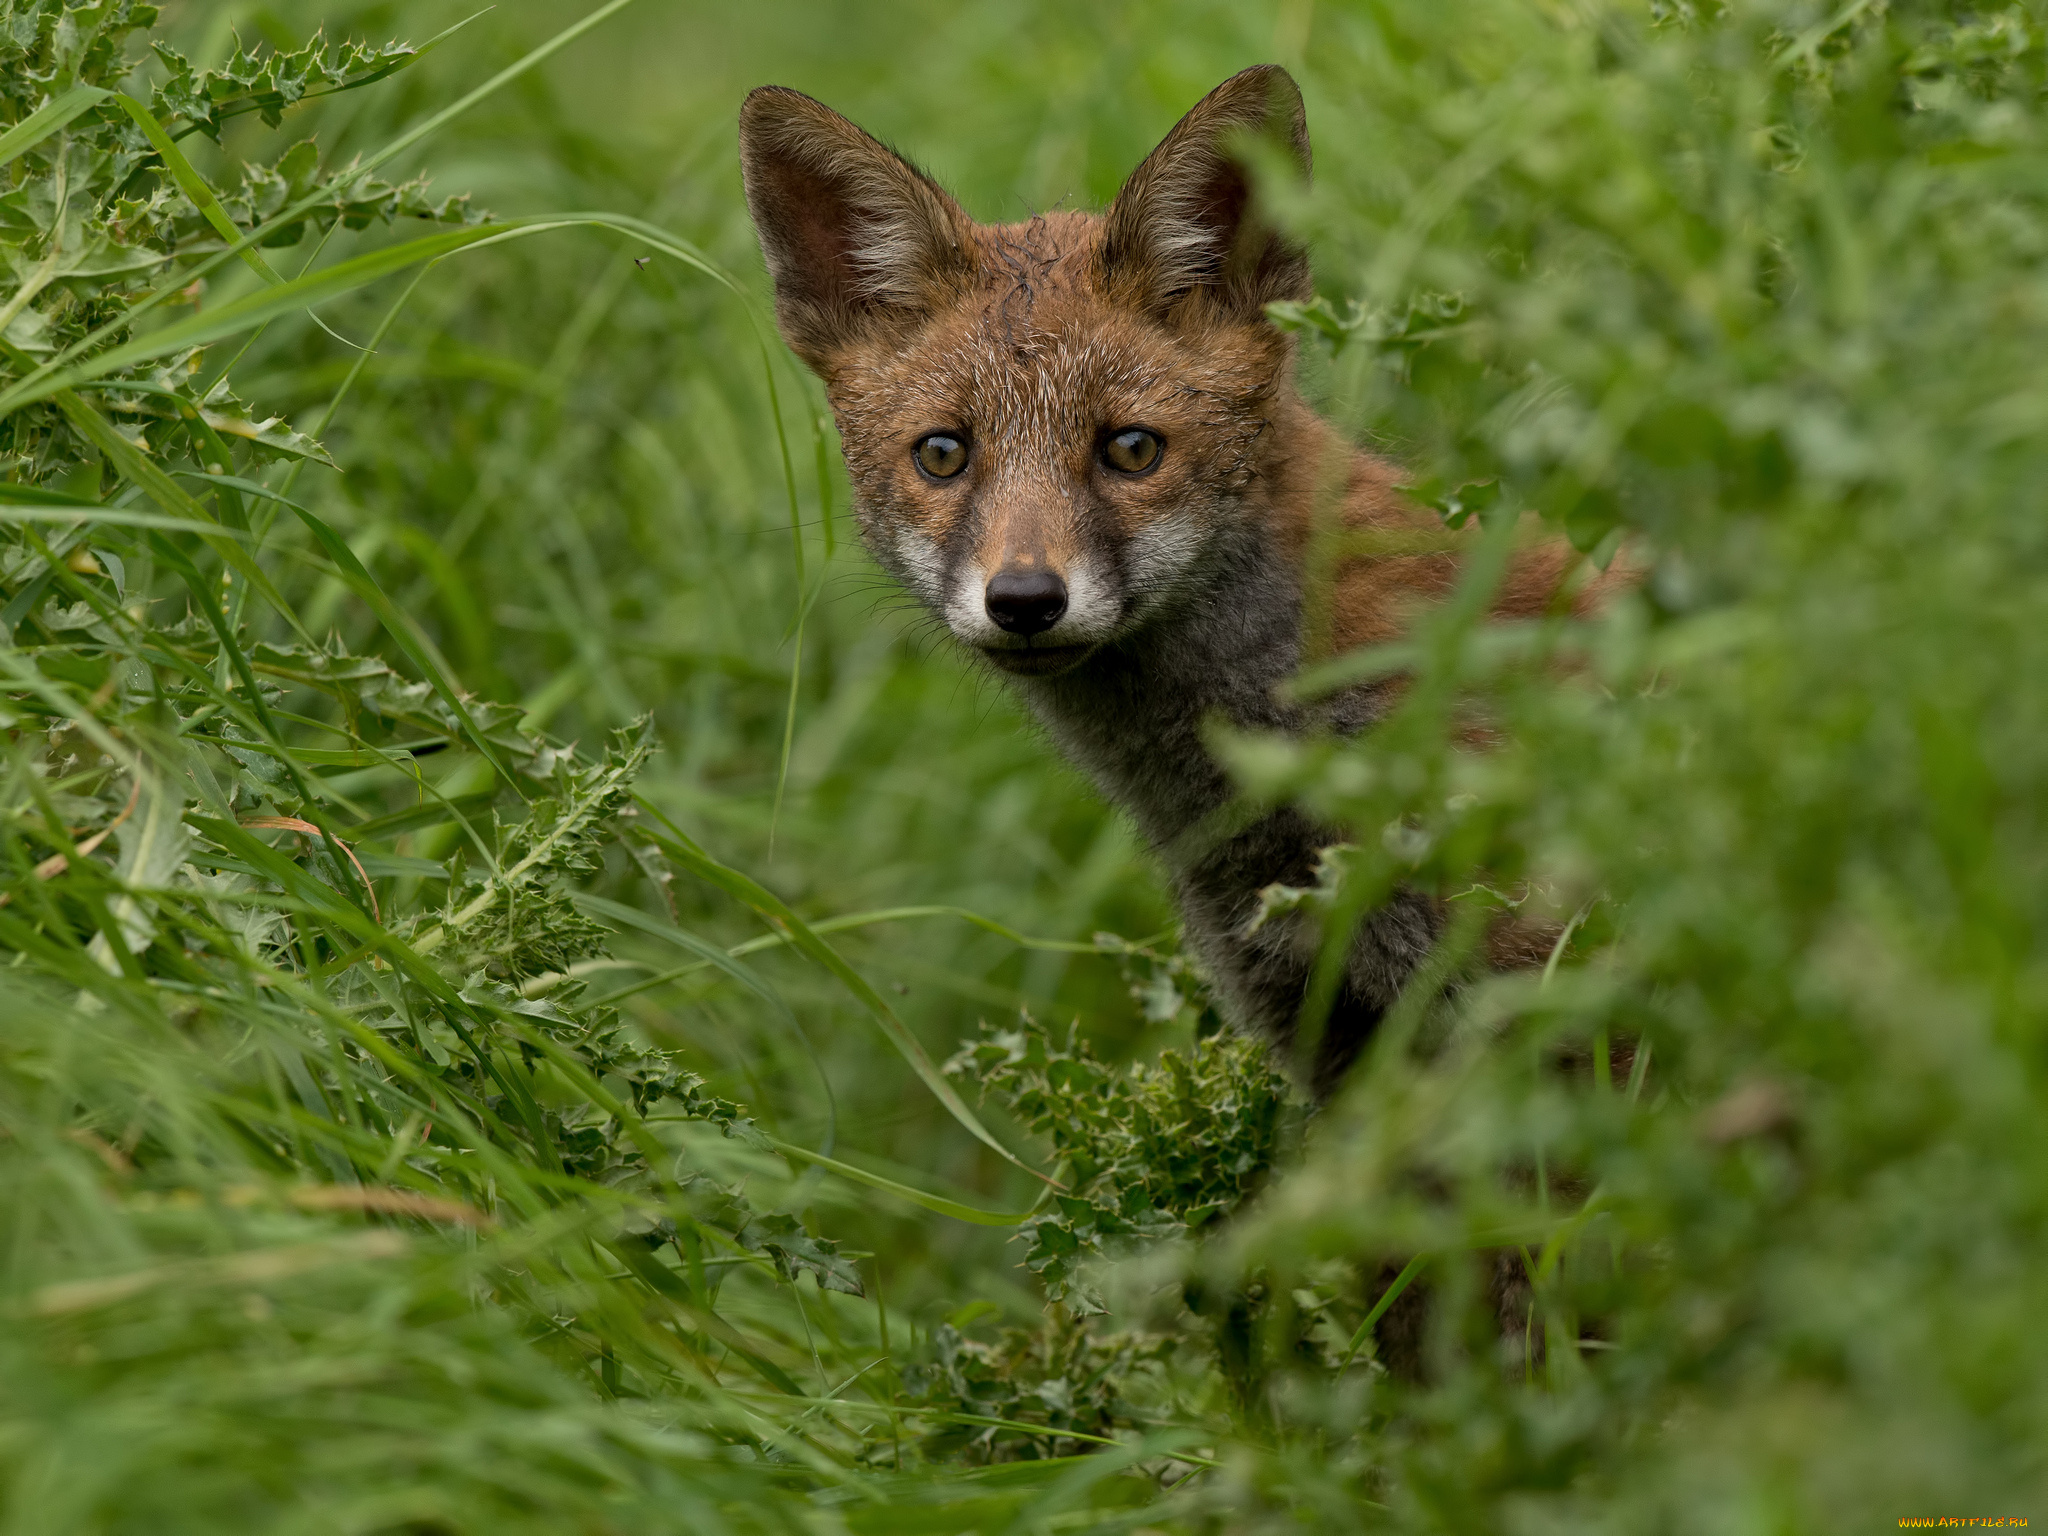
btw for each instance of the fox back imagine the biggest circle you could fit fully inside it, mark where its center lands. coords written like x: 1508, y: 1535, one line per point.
x: 1076, y: 439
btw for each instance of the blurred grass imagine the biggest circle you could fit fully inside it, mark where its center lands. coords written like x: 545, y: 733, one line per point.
x: 1764, y: 286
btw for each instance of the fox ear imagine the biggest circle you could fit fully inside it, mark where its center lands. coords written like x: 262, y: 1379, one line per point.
x: 1184, y: 227
x: 857, y: 239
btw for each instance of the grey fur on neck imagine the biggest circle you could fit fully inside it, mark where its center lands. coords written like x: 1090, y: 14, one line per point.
x: 1132, y: 717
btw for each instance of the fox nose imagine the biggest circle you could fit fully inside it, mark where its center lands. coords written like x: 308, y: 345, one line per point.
x: 1026, y: 602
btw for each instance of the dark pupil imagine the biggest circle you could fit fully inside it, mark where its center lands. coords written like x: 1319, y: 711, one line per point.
x: 942, y: 456
x: 1133, y: 450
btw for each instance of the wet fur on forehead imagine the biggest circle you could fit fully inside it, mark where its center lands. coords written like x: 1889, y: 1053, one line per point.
x: 1034, y: 356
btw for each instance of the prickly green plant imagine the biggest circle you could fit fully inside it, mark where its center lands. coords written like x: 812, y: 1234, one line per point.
x: 263, y: 81
x: 513, y: 919
x: 1150, y: 1152
x: 101, y: 206
x: 1034, y: 1393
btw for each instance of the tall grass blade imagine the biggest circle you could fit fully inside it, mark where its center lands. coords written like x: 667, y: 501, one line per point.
x: 48, y: 119
x: 780, y: 917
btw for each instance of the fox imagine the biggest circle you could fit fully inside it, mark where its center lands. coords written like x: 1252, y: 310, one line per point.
x: 1078, y: 440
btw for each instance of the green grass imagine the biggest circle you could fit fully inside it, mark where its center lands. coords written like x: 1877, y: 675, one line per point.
x: 444, y: 1194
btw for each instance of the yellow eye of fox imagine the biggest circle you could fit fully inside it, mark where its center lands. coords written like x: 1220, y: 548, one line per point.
x: 1132, y: 451
x: 940, y: 455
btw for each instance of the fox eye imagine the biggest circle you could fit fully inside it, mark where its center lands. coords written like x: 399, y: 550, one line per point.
x: 941, y: 455
x: 1132, y: 451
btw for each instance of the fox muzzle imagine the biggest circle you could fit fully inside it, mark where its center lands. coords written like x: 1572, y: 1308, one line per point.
x: 1025, y: 602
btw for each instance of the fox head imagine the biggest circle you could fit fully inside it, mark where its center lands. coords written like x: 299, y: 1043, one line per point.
x: 1049, y: 426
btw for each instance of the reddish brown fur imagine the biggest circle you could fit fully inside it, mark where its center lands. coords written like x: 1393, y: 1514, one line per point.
x: 1036, y: 354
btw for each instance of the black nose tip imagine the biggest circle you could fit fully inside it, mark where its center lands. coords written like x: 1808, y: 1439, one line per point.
x: 1026, y: 602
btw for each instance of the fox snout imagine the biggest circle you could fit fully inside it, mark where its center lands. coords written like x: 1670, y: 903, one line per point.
x: 1033, y: 611
x: 1025, y: 602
